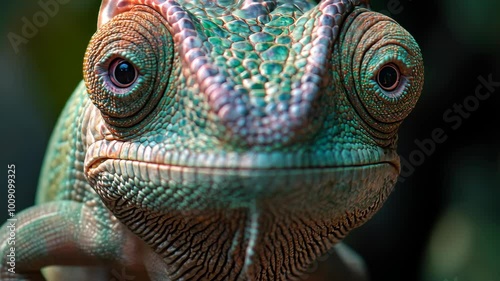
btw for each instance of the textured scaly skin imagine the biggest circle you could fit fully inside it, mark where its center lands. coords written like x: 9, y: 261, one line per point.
x: 256, y: 136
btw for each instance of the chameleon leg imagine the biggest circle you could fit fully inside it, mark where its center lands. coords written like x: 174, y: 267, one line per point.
x: 65, y: 233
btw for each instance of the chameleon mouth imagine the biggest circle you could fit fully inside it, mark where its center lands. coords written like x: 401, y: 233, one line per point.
x: 177, y: 184
x: 170, y: 189
x: 101, y: 151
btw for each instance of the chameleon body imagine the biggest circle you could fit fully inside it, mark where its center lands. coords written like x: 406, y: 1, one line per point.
x: 221, y: 140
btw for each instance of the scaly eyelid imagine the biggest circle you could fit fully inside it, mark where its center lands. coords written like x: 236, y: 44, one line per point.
x: 395, y: 94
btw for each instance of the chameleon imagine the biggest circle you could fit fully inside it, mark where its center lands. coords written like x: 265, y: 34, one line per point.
x: 219, y: 140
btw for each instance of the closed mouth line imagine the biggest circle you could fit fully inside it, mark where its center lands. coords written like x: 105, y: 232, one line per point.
x: 100, y: 161
x: 100, y: 152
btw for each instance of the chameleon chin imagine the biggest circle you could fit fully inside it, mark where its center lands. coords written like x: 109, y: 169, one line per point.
x: 221, y: 141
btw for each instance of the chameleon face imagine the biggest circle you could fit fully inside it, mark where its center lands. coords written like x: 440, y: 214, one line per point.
x: 268, y: 127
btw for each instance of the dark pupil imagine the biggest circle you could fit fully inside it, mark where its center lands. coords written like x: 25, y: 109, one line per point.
x: 388, y: 77
x: 124, y: 73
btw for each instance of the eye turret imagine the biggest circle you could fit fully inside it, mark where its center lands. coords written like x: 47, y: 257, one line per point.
x: 382, y: 70
x: 127, y: 66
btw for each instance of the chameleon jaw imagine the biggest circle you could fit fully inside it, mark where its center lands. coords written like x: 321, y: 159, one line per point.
x: 221, y: 161
x: 227, y: 188
x: 227, y: 181
x: 248, y: 197
x: 252, y: 208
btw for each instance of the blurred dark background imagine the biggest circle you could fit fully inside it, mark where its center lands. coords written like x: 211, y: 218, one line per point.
x: 441, y: 222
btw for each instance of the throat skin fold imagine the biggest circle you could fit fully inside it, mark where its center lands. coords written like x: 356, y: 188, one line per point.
x: 249, y: 226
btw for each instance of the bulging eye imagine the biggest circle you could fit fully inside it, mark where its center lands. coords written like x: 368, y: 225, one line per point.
x: 383, y: 71
x: 127, y: 67
x: 122, y: 73
x: 389, y: 77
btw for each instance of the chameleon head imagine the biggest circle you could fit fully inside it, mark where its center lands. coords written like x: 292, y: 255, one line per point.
x: 271, y: 119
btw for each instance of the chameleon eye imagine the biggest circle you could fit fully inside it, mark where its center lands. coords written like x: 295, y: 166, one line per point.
x: 122, y: 73
x: 383, y: 71
x: 127, y: 67
x: 389, y: 77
